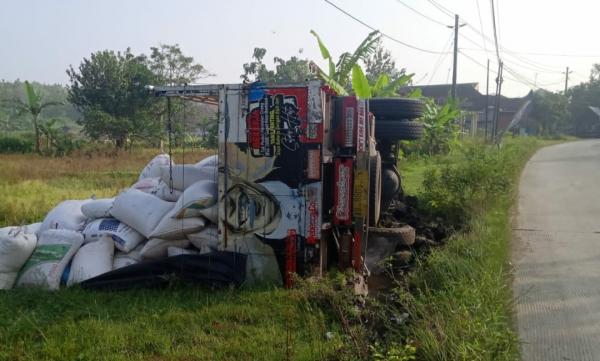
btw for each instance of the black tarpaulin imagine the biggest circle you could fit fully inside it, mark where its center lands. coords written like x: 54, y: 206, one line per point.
x: 215, y: 269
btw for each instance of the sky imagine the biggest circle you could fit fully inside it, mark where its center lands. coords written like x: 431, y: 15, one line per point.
x: 40, y: 39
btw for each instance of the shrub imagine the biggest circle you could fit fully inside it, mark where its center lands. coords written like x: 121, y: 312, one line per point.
x: 10, y: 144
x: 460, y: 189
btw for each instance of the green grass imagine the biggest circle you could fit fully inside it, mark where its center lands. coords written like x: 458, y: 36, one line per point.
x: 177, y: 323
x: 459, y: 301
x: 460, y: 298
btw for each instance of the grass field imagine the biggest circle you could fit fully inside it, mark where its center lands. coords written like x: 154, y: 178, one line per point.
x: 460, y: 295
x: 458, y: 298
x: 179, y: 323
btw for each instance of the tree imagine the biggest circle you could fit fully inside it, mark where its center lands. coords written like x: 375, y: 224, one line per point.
x: 581, y: 97
x: 108, y: 88
x: 549, y: 112
x: 292, y: 70
x: 172, y: 67
x: 34, y: 106
x: 338, y: 75
x: 380, y: 62
x: 347, y: 75
x: 441, y: 131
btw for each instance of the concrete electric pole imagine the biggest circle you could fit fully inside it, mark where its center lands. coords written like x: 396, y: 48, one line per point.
x: 455, y: 64
x: 567, y: 79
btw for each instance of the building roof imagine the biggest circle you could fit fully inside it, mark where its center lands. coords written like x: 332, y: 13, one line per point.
x: 463, y: 90
x: 469, y: 96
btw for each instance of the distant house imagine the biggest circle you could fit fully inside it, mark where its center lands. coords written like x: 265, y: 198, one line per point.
x: 473, y: 102
x: 589, y: 125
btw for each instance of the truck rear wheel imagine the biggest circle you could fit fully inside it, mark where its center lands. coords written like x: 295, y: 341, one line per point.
x: 398, y: 129
x: 396, y: 108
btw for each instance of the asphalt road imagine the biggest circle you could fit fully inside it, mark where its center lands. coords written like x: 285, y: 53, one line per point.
x: 556, y: 254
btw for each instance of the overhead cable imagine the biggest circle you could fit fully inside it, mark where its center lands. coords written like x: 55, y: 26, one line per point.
x: 382, y: 33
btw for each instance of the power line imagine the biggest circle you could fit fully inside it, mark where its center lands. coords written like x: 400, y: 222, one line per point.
x: 441, y: 8
x: 449, y: 13
x: 498, y: 17
x: 441, y: 58
x: 520, y: 77
x: 566, y: 55
x: 531, y: 65
x: 493, y: 71
x: 495, y: 31
x: 528, y: 66
x: 420, y: 13
x: 382, y: 33
x: 481, y: 26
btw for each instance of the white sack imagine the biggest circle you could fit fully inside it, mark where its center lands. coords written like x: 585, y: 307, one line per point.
x: 123, y: 259
x: 158, y: 248
x: 197, y: 200
x: 158, y: 188
x: 207, y: 240
x: 211, y: 213
x: 140, y: 211
x: 178, y: 251
x: 171, y: 228
x: 92, y: 259
x: 67, y: 215
x: 184, y: 175
x: 98, y: 208
x: 147, y: 185
x: 16, y: 245
x: 164, y: 192
x: 212, y: 161
x: 33, y: 228
x: 152, y: 169
x: 124, y: 237
x: 54, y: 250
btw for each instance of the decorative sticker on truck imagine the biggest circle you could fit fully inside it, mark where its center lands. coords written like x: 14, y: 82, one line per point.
x: 271, y: 179
x: 277, y: 120
x: 273, y: 123
x: 342, y: 190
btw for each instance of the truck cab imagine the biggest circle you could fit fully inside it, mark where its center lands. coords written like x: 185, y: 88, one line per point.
x: 303, y: 174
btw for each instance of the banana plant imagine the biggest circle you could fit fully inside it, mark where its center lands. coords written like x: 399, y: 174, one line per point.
x: 441, y: 131
x: 347, y: 67
x: 50, y: 130
x: 386, y: 89
x: 34, y: 106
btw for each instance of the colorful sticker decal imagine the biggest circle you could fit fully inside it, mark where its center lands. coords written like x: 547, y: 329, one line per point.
x: 361, y: 128
x: 271, y: 182
x: 314, y: 164
x: 273, y: 124
x: 342, y: 193
x: 361, y: 193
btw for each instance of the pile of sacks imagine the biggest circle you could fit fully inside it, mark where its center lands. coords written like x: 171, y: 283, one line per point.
x: 171, y: 210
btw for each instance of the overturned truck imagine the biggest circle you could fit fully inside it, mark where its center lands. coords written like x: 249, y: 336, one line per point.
x: 303, y: 174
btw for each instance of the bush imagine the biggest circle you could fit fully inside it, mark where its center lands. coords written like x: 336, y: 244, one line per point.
x: 464, y: 185
x: 10, y: 144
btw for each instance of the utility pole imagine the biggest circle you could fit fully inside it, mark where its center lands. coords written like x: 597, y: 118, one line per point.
x: 455, y: 64
x: 567, y: 79
x: 487, y: 100
x: 498, y: 94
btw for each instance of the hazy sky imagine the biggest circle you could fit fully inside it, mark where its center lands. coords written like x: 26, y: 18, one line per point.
x: 40, y: 39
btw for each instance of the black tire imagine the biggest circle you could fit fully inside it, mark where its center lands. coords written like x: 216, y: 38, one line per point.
x: 391, y: 185
x: 398, y: 130
x: 405, y: 235
x: 396, y: 108
x: 374, y: 190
